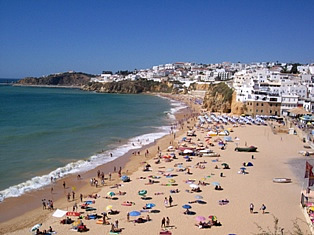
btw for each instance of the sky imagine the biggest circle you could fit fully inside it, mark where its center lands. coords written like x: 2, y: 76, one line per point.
x: 40, y: 37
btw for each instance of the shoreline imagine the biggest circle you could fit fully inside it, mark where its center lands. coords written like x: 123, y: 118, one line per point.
x: 58, y: 195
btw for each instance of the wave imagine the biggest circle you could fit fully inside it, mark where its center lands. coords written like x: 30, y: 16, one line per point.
x: 83, y: 165
x: 93, y: 161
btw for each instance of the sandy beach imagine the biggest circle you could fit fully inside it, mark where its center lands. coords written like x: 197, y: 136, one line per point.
x: 171, y: 178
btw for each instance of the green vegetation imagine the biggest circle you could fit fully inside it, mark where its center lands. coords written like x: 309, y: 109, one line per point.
x: 222, y: 88
x: 277, y: 230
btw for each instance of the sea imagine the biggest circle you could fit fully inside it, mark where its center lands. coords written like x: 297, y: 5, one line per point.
x: 54, y: 132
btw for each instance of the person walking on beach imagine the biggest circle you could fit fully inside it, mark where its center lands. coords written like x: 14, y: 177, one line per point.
x: 81, y: 197
x: 128, y: 217
x: 63, y: 184
x: 167, y: 222
x: 263, y: 208
x: 44, y: 204
x: 73, y: 195
x: 163, y: 222
x: 109, y: 176
x: 251, y: 208
x: 166, y: 201
x: 170, y: 201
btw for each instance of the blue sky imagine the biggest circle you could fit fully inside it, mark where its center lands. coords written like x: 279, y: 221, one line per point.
x: 42, y: 37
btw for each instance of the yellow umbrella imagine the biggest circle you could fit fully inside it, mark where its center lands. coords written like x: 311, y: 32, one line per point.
x: 73, y: 188
x: 109, y: 207
x: 172, y: 181
x: 311, y: 208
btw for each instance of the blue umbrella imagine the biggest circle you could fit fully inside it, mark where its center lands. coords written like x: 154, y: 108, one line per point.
x: 125, y: 178
x: 186, y: 157
x: 150, y: 205
x: 215, y: 183
x: 135, y: 213
x: 198, y: 197
x: 243, y: 168
x: 186, y: 206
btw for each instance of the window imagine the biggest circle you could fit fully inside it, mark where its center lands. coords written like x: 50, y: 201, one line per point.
x: 270, y: 111
x: 270, y: 105
x: 261, y: 110
x: 262, y: 104
x: 256, y: 104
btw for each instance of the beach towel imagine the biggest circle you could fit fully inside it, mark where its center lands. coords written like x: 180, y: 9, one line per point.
x: 59, y: 213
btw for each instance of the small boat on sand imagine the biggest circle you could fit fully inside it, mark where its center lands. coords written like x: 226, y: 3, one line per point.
x: 282, y: 180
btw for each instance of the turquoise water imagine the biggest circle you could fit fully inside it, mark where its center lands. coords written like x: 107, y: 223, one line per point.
x: 48, y: 132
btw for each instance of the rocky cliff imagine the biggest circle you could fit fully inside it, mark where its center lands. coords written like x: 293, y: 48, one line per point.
x: 130, y: 87
x: 62, y: 79
x: 218, y: 98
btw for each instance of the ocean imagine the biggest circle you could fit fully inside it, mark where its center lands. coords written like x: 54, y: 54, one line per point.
x: 53, y: 132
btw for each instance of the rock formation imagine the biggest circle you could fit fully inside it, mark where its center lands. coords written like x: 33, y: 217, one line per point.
x: 62, y: 79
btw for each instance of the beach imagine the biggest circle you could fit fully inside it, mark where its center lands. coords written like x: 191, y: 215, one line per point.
x: 275, y: 152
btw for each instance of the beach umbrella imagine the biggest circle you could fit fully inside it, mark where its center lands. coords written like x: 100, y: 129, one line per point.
x: 35, y: 227
x: 243, y: 168
x: 142, y: 192
x: 135, y: 213
x: 200, y: 218
x: 215, y: 183
x: 169, y: 169
x: 125, y: 178
x: 212, y: 217
x: 109, y: 207
x: 186, y: 206
x: 188, y: 151
x: 150, y: 205
x: 224, y: 164
x: 180, y: 166
x: 194, y: 186
x: 198, y: 197
x: 166, y: 156
x: 172, y: 181
x: 186, y: 157
x: 170, y: 147
x: 111, y: 194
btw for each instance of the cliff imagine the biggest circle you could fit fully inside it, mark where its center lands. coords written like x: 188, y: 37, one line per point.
x: 62, y: 79
x: 218, y: 98
x: 130, y: 87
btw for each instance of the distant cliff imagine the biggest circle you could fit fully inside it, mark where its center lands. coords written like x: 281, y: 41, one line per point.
x: 62, y: 79
x: 218, y: 98
x: 130, y: 87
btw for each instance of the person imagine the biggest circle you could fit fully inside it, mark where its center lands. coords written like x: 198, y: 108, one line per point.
x: 63, y: 184
x: 104, y: 219
x: 81, y: 197
x: 50, y: 229
x: 128, y: 216
x: 252, y: 156
x: 163, y: 222
x: 44, y: 204
x: 251, y: 207
x: 109, y: 176
x: 166, y: 201
x: 73, y: 195
x: 147, y: 218
x: 263, y: 208
x: 168, y: 222
x: 116, y: 223
x: 170, y: 201
x: 221, y: 174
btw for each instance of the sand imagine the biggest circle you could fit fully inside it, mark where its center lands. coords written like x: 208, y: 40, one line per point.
x: 275, y: 151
